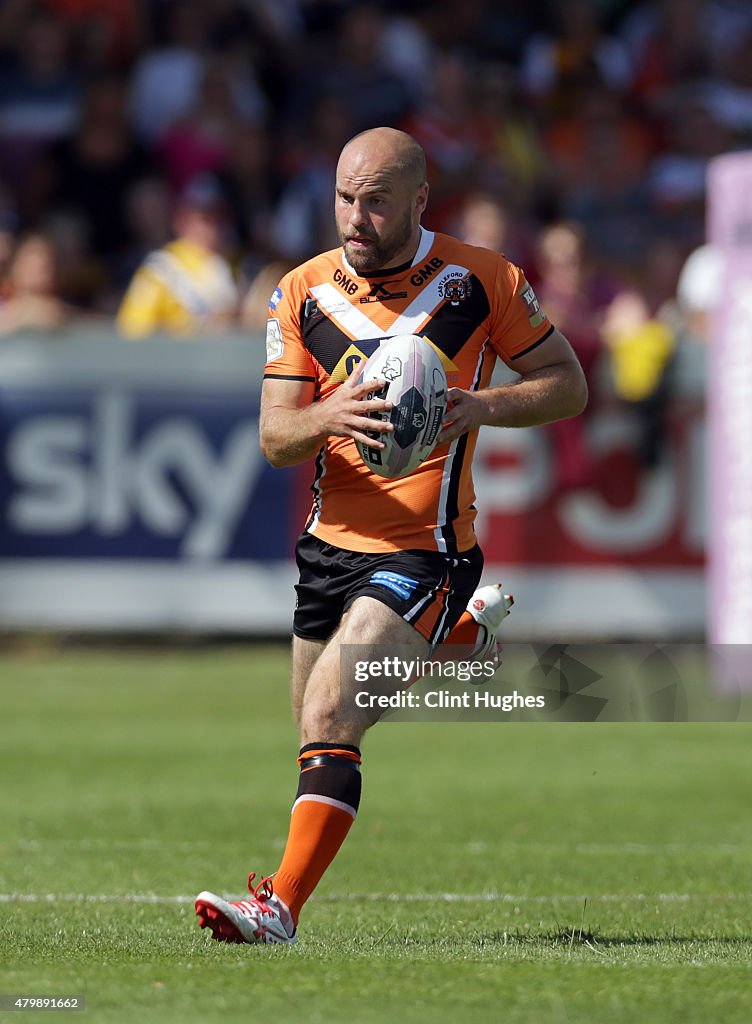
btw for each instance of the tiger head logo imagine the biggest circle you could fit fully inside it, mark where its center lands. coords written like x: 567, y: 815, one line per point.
x: 456, y: 290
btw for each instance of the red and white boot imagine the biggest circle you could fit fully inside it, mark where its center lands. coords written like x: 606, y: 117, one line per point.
x: 264, y: 918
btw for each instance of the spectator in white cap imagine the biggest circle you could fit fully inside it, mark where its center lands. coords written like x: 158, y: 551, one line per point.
x: 698, y: 290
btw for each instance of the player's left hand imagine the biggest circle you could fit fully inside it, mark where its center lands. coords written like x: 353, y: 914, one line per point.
x: 464, y: 413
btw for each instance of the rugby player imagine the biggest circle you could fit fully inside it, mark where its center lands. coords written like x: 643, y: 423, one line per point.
x: 382, y: 562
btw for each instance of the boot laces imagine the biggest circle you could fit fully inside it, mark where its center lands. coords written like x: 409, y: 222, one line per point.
x: 264, y: 890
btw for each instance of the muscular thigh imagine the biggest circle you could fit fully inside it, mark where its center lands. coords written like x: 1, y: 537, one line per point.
x: 369, y: 631
x: 371, y: 624
x: 305, y: 654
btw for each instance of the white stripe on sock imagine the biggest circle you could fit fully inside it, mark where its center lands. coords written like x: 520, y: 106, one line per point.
x: 325, y: 800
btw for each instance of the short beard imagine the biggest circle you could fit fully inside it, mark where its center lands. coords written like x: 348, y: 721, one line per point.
x: 382, y: 253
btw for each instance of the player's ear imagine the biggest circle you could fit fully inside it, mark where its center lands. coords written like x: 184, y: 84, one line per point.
x: 421, y: 200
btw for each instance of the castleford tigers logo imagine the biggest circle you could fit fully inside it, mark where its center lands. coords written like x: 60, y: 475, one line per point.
x: 455, y: 288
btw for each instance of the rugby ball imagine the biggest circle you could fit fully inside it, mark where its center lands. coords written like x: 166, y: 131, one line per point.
x: 416, y: 385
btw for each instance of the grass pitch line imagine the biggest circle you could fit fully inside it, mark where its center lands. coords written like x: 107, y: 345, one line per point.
x: 478, y: 846
x: 392, y: 897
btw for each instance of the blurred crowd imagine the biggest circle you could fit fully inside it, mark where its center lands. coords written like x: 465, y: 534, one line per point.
x: 165, y: 161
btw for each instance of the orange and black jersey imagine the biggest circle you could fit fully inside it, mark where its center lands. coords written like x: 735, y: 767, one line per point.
x: 472, y: 305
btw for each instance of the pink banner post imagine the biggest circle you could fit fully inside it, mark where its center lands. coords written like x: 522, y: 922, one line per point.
x: 729, y: 390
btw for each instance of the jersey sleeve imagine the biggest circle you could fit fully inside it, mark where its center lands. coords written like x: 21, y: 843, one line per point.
x: 518, y: 324
x: 287, y: 358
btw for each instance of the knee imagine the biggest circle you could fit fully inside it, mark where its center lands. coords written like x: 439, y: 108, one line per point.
x: 329, y: 714
x: 320, y: 720
x: 323, y: 717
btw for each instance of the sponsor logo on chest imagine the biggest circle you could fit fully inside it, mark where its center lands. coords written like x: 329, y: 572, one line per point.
x: 422, y: 274
x: 346, y: 283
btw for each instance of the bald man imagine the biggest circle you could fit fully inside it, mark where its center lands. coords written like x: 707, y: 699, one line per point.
x: 384, y: 564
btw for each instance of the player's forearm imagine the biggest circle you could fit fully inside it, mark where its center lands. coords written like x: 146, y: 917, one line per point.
x: 290, y: 436
x: 552, y: 393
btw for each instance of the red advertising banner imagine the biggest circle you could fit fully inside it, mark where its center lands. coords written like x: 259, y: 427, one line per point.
x: 629, y: 516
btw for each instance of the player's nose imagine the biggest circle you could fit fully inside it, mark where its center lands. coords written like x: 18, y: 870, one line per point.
x: 358, y: 215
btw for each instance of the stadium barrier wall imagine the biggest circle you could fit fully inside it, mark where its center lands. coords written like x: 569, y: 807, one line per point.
x: 135, y: 498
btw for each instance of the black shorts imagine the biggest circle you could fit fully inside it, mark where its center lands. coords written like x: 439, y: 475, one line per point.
x: 428, y: 589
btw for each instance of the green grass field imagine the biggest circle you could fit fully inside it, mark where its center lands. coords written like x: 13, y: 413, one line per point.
x: 497, y: 872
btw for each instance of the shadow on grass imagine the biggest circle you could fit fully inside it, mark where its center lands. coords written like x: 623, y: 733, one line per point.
x: 578, y: 936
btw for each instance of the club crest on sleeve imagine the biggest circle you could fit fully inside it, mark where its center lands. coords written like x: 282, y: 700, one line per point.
x: 276, y: 298
x: 535, y: 314
x: 275, y: 346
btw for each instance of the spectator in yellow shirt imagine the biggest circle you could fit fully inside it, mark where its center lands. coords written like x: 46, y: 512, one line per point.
x: 187, y: 287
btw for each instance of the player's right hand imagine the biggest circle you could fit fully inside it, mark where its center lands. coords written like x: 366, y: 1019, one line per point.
x: 346, y: 411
